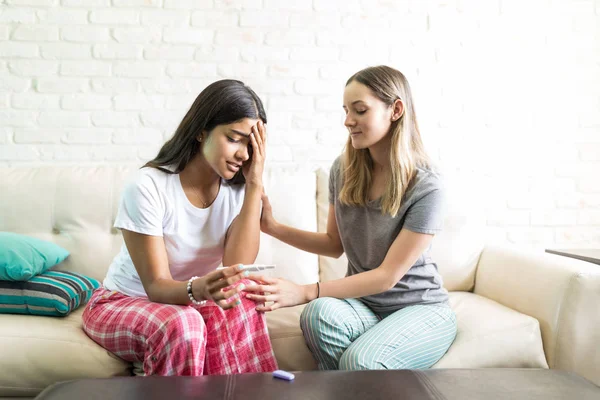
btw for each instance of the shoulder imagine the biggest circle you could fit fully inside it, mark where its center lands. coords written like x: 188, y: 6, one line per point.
x: 337, y: 163
x: 336, y: 167
x: 233, y: 191
x: 425, y: 182
x: 150, y: 175
x: 147, y: 180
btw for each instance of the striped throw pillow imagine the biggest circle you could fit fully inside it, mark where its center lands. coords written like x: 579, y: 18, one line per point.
x: 54, y: 293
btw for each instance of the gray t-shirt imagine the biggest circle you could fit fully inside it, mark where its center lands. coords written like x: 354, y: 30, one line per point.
x: 367, y: 235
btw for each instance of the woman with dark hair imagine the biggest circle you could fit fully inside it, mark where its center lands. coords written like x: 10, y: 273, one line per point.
x: 165, y: 305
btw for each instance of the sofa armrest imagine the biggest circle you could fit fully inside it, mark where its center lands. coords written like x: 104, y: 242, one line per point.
x: 563, y: 294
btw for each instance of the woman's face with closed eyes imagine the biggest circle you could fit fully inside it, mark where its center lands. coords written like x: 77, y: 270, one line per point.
x: 225, y: 148
x: 368, y: 119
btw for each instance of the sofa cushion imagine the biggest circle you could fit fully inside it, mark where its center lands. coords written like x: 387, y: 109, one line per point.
x: 287, y: 340
x: 76, y: 213
x: 491, y: 335
x: 331, y: 268
x: 51, y: 293
x: 39, y: 351
x: 457, y: 248
x: 291, y: 192
x: 23, y: 257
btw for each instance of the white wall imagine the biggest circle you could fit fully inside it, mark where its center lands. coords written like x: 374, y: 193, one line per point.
x: 507, y: 91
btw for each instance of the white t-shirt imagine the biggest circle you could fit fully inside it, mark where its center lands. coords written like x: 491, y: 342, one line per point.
x: 154, y: 203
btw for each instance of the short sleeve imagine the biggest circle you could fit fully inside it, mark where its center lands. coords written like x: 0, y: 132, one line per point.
x: 141, y: 209
x: 426, y: 215
x: 238, y: 193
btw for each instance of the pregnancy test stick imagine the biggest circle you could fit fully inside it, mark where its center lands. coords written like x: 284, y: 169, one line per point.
x: 257, y: 267
x: 288, y: 376
x: 253, y: 267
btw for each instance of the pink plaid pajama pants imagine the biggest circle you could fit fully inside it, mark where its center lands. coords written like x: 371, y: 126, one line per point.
x: 167, y: 339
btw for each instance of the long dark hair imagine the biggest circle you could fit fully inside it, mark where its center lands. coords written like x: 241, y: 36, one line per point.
x: 220, y: 103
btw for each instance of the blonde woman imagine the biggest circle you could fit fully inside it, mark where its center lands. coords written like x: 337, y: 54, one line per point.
x: 391, y: 310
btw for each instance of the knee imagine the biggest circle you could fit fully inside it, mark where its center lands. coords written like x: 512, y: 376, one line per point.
x: 354, y: 359
x: 182, y: 324
x: 317, y: 311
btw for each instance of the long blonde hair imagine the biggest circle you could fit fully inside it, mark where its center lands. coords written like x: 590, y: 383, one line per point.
x: 406, y: 153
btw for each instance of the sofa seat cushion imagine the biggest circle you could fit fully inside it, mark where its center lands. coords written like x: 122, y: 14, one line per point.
x: 287, y: 340
x: 491, y: 335
x: 38, y: 351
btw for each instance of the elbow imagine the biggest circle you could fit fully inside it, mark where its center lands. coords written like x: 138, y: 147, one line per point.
x: 338, y: 253
x: 154, y: 292
x: 389, y: 285
x: 336, y: 250
x: 154, y: 296
x: 389, y: 281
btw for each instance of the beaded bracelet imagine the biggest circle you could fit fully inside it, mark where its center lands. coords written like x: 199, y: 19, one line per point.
x: 190, y: 294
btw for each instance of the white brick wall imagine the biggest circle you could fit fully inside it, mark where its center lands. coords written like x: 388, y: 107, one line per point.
x: 507, y: 91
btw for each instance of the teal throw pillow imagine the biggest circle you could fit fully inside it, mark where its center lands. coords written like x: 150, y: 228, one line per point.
x: 54, y: 293
x: 23, y: 257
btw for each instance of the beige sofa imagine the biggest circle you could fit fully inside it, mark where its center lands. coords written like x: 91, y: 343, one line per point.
x: 515, y: 308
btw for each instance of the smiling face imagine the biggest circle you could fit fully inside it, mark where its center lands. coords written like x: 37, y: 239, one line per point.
x: 368, y: 119
x: 225, y: 148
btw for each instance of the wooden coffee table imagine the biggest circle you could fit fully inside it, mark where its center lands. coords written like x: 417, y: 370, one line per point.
x: 433, y: 384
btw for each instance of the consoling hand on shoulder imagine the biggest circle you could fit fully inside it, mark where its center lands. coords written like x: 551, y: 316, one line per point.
x: 267, y: 221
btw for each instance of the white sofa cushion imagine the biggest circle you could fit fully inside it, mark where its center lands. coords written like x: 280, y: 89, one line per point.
x: 491, y: 335
x: 562, y: 293
x: 289, y: 346
x: 73, y: 207
x: 331, y: 268
x: 39, y: 351
x: 457, y: 248
x: 291, y: 193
